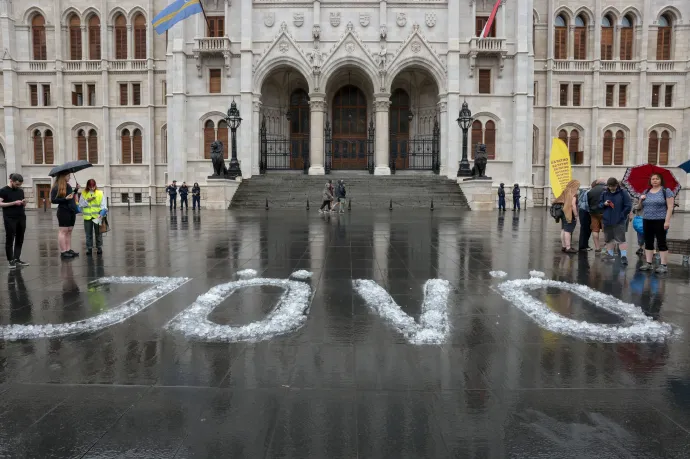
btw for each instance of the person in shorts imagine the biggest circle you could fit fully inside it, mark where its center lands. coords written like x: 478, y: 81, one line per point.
x: 595, y: 213
x: 62, y: 194
x: 616, y: 205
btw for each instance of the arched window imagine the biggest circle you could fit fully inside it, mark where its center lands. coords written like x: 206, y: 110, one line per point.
x: 627, y: 33
x: 38, y: 147
x: 94, y: 38
x: 120, y: 37
x: 139, y: 37
x: 608, y: 148
x: 485, y: 134
x: 477, y: 136
x: 561, y: 38
x: 658, y: 149
x: 209, y: 138
x: 74, y: 38
x: 164, y: 145
x: 580, y: 38
x: 82, y: 153
x: 42, y: 140
x: 222, y: 135
x: 126, y: 141
x: 38, y: 37
x: 619, y: 149
x: 663, y: 38
x: 535, y: 145
x: 572, y: 140
x: 607, y: 38
x: 137, y: 147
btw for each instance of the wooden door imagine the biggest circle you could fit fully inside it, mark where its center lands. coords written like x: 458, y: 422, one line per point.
x: 42, y: 192
x: 399, y: 124
x: 349, y: 129
x: 299, y: 129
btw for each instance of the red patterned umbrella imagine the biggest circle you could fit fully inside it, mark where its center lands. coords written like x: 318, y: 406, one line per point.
x: 636, y: 179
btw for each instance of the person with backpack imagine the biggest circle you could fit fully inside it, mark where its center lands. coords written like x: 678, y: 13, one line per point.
x: 596, y: 214
x: 616, y: 203
x: 340, y: 197
x: 569, y: 215
x: 585, y: 221
x: 501, y: 198
x: 657, y: 208
x: 516, y: 197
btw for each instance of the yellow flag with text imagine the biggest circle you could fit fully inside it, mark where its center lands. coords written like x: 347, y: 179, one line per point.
x: 560, y: 171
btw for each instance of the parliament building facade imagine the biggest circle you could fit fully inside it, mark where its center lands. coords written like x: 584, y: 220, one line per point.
x: 326, y: 86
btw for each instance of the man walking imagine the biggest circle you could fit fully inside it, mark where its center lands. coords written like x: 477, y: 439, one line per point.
x: 501, y: 198
x: 617, y: 205
x: 339, y: 197
x: 184, y: 191
x: 327, y: 196
x: 595, y: 212
x: 13, y: 203
x: 172, y: 193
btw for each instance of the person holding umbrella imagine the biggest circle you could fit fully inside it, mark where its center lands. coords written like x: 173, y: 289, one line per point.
x: 657, y: 208
x: 63, y: 195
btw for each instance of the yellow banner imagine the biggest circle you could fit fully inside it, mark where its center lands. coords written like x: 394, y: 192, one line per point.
x: 560, y: 171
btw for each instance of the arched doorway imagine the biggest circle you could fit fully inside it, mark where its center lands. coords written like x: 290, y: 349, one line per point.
x: 299, y: 129
x: 349, y: 121
x: 399, y: 125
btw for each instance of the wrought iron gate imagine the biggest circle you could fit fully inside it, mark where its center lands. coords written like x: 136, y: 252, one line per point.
x: 418, y: 153
x: 349, y: 148
x: 280, y: 153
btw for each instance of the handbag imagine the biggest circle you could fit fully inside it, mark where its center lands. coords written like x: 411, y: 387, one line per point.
x: 104, y: 227
x: 637, y: 224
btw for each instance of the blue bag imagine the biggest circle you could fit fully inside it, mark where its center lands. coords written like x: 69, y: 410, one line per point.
x: 637, y: 224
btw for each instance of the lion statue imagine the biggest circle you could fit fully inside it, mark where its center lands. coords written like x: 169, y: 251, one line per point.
x: 219, y: 169
x: 479, y: 168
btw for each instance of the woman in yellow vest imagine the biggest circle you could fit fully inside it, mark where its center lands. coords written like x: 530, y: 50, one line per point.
x: 93, y: 208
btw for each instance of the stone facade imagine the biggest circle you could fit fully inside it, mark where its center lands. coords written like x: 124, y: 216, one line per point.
x: 272, y: 48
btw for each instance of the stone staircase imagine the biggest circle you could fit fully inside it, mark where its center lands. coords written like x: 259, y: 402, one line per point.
x: 365, y: 191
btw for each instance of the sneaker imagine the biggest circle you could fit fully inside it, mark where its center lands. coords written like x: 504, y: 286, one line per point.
x: 73, y: 253
x: 12, y: 264
x: 624, y: 260
x: 646, y: 267
x: 320, y: 211
x: 88, y: 252
x: 640, y: 251
x: 19, y: 262
x: 66, y: 255
x: 662, y: 269
x: 570, y: 250
x: 606, y: 257
x: 99, y: 251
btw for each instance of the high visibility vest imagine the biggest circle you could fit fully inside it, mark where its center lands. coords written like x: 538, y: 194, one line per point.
x: 94, y: 207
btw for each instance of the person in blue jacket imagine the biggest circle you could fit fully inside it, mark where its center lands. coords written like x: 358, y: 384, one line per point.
x: 184, y: 191
x: 516, y: 197
x: 172, y: 193
x: 502, y: 198
x: 617, y: 205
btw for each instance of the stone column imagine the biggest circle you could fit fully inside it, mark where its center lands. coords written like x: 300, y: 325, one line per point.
x: 256, y: 122
x: 130, y: 42
x: 84, y: 49
x: 381, y: 105
x: 317, y: 109
x: 445, y: 126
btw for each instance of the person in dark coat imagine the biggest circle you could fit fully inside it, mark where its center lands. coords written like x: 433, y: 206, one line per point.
x: 172, y: 193
x: 596, y: 214
x: 616, y: 203
x: 501, y: 197
x: 196, y: 196
x: 516, y: 197
x: 184, y: 191
x: 13, y: 203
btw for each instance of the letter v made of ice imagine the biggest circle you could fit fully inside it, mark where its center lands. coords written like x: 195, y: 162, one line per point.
x: 433, y: 326
x: 160, y: 287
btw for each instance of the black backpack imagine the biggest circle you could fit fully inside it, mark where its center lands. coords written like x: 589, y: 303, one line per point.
x: 556, y: 211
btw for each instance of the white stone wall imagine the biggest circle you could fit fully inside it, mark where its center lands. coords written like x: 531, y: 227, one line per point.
x: 428, y: 50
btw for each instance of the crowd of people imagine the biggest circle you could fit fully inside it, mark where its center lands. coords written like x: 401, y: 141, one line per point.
x: 609, y: 207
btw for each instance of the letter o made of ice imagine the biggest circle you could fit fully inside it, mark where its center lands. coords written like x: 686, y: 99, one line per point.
x: 636, y: 326
x: 289, y: 314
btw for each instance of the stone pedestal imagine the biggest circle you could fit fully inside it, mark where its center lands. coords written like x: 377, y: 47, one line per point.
x: 479, y: 193
x: 219, y: 193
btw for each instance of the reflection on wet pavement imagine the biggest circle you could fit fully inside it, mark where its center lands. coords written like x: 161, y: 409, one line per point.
x: 346, y: 383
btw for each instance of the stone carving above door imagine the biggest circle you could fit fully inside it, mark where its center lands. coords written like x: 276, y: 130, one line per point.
x: 269, y: 19
x: 364, y: 19
x: 401, y: 19
x: 298, y: 19
x: 335, y: 19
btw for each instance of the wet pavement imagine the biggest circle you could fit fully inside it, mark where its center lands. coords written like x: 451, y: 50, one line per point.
x: 346, y: 383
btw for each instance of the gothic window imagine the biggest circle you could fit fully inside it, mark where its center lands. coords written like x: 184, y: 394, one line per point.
x: 94, y: 38
x: 561, y: 38
x: 132, y: 146
x: 484, y: 133
x: 663, y: 38
x: 87, y: 145
x: 213, y: 132
x: 627, y: 34
x: 572, y: 138
x: 38, y: 37
x: 658, y: 148
x: 74, y: 38
x: 580, y: 38
x: 120, y: 37
x: 613, y: 148
x: 607, y: 38
x: 139, y: 37
x: 42, y: 140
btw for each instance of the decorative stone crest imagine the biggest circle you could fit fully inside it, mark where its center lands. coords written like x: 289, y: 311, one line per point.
x: 383, y: 31
x: 364, y: 19
x: 335, y: 19
x: 350, y: 47
x: 416, y: 46
x: 430, y: 19
x: 269, y: 19
x: 316, y: 32
x: 401, y: 19
x: 298, y: 19
x: 283, y: 46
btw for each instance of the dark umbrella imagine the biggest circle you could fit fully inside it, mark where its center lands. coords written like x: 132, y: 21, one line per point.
x: 636, y: 179
x: 70, y: 167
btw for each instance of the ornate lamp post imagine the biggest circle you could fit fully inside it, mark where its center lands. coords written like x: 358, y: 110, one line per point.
x: 233, y: 119
x: 464, y: 121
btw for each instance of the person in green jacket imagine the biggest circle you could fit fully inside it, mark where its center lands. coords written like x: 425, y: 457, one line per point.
x: 94, y: 208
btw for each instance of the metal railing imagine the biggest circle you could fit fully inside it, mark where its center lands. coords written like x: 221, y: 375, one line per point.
x: 349, y: 154
x: 488, y: 45
x: 281, y: 153
x: 418, y: 153
x: 211, y: 44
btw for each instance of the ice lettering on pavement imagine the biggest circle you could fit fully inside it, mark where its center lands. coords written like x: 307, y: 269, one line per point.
x: 433, y: 326
x: 160, y: 287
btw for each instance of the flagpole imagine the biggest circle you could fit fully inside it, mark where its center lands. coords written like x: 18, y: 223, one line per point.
x: 203, y: 11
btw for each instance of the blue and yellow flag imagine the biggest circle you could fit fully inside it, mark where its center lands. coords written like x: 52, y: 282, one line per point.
x: 174, y: 13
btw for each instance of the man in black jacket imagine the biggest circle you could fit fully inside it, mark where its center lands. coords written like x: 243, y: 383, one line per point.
x: 596, y: 214
x: 172, y: 193
x: 13, y: 203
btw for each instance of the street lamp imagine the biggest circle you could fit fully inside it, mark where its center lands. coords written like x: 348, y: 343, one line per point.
x: 464, y: 121
x: 233, y: 119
